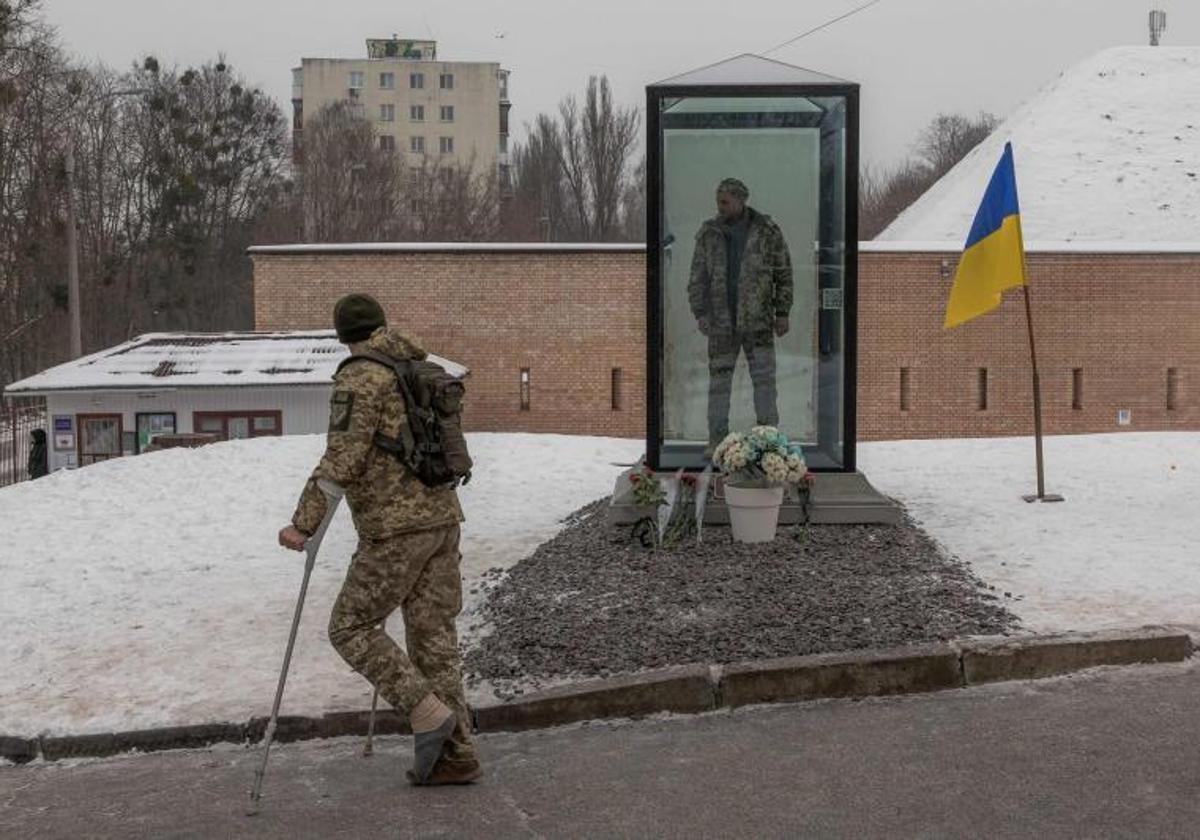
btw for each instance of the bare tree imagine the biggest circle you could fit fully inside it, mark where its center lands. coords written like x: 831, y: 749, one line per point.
x: 572, y: 176
x: 885, y: 194
x: 609, y: 137
x: 948, y: 138
x: 537, y: 210
x: 450, y: 203
x: 348, y: 184
x: 33, y: 103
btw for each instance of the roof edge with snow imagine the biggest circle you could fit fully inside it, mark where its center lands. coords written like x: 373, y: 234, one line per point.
x: 448, y: 247
x: 887, y: 246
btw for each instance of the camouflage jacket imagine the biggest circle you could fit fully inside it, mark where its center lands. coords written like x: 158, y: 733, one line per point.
x: 764, y: 287
x: 385, y: 498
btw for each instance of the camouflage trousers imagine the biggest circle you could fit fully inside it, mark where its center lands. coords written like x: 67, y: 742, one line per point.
x: 723, y: 350
x: 419, y: 574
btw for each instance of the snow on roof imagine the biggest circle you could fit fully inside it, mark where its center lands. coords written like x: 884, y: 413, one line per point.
x: 167, y: 361
x: 449, y: 247
x: 1109, y: 151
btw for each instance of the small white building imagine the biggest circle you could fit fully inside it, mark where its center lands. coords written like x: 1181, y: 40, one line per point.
x: 228, y: 385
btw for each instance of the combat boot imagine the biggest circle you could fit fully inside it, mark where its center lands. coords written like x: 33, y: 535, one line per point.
x: 449, y: 771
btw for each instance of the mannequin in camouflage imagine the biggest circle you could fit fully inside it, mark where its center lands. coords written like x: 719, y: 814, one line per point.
x: 407, y: 555
x: 740, y: 293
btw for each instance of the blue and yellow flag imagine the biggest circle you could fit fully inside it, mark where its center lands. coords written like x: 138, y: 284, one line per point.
x: 993, y: 258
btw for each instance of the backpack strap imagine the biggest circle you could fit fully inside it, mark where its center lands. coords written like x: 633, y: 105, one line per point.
x: 406, y: 448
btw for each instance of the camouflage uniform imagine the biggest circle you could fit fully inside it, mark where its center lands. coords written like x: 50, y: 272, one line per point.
x: 407, y: 555
x: 764, y: 293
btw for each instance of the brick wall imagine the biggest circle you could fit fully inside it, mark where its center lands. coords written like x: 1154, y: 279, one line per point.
x: 1121, y: 320
x: 570, y: 318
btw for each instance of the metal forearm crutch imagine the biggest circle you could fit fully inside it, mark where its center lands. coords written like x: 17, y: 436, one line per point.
x: 332, y: 497
x: 368, y: 749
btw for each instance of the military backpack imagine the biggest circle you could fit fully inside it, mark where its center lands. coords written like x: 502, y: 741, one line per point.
x: 431, y: 442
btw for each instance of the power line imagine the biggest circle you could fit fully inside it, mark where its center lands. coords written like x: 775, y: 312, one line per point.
x: 827, y: 23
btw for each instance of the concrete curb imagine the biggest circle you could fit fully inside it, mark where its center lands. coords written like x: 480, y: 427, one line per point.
x: 686, y: 689
x: 691, y: 689
x: 993, y: 660
x: 853, y: 674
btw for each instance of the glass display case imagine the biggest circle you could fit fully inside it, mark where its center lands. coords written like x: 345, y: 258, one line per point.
x: 751, y: 260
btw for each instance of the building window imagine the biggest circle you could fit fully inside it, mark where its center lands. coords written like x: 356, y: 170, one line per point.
x: 446, y: 81
x: 358, y: 110
x: 982, y: 398
x: 387, y: 113
x: 503, y: 84
x: 524, y: 389
x: 416, y: 144
x: 414, y: 206
x: 356, y: 79
x: 1172, y: 389
x: 904, y: 403
x: 446, y: 145
x: 503, y: 144
x: 1077, y: 389
x: 101, y: 437
x: 387, y: 142
x: 151, y: 425
x: 236, y: 425
x: 416, y: 81
x: 616, y: 389
x: 416, y: 113
x: 387, y: 81
x: 447, y: 113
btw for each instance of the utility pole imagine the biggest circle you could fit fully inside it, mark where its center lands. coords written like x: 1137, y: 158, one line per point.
x: 73, y: 305
x: 74, y: 309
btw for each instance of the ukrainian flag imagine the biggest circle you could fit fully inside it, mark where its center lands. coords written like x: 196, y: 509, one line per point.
x: 993, y: 258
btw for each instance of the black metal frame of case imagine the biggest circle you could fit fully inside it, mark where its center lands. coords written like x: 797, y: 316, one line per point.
x: 654, y: 281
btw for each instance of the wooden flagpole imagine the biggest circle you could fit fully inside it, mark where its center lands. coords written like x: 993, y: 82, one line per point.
x: 1037, y: 392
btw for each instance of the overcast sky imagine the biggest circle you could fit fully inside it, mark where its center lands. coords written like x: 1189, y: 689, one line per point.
x: 913, y: 58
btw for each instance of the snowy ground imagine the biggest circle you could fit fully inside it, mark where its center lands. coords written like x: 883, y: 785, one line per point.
x: 149, y: 591
x: 1122, y: 550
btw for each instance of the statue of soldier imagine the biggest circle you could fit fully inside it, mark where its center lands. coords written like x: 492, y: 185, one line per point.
x: 740, y: 293
x: 407, y: 557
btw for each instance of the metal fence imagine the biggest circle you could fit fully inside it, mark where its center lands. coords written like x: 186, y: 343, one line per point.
x: 19, y: 417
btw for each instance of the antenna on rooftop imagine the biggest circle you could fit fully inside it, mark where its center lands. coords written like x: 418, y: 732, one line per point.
x: 1158, y: 22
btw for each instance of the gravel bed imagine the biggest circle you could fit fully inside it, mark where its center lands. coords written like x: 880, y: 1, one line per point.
x: 590, y: 603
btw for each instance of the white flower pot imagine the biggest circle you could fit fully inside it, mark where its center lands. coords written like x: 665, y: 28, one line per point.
x: 753, y: 512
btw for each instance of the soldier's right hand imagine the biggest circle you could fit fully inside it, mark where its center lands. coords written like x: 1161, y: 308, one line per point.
x: 293, y: 538
x: 702, y: 325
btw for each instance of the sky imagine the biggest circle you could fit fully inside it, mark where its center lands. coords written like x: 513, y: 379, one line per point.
x: 913, y: 58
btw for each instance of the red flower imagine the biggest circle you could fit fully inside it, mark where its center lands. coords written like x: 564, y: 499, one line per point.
x: 810, y: 477
x: 633, y: 478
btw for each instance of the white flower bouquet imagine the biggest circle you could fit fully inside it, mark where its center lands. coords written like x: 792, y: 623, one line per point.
x: 761, y: 457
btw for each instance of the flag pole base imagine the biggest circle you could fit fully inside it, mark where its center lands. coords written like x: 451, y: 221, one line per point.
x: 1046, y: 497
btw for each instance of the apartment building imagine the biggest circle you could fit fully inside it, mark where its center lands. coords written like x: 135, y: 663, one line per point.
x: 454, y: 112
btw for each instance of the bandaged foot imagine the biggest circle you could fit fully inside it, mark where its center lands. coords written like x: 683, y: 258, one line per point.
x: 432, y: 724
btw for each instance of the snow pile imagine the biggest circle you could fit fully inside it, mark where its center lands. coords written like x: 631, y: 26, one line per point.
x: 1108, y: 152
x: 149, y: 591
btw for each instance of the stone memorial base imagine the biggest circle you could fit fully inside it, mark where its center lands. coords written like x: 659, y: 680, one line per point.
x: 836, y: 499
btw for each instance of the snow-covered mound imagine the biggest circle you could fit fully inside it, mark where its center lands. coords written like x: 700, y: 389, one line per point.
x: 1107, y: 152
x: 150, y: 591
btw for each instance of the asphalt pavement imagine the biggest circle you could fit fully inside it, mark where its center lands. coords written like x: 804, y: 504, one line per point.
x: 1108, y: 753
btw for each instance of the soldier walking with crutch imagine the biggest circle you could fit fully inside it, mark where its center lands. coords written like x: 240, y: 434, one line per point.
x: 408, y: 551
